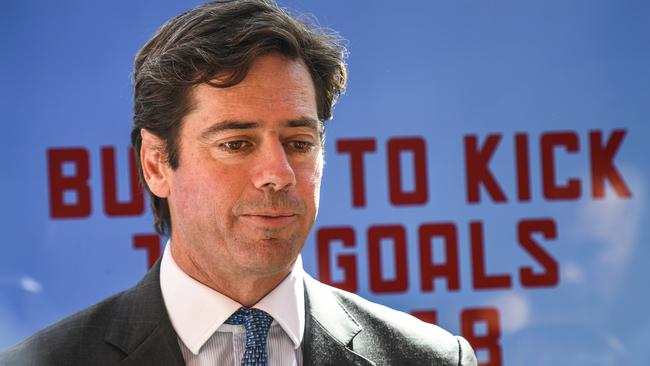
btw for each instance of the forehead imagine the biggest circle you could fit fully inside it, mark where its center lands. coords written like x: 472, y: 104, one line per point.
x: 276, y: 89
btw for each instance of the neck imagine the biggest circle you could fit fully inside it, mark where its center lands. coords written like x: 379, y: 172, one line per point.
x: 245, y: 288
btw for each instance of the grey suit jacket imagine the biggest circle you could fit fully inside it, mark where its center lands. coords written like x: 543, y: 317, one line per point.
x: 133, y: 328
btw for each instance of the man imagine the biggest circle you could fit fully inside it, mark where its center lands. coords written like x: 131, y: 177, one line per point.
x: 229, y: 103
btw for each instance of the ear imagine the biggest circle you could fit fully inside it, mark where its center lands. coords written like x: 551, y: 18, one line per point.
x: 155, y: 168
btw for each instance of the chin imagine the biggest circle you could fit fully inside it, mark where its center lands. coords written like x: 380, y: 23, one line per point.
x: 272, y: 255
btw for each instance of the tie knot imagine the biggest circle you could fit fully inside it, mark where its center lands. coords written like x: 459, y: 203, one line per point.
x: 257, y: 323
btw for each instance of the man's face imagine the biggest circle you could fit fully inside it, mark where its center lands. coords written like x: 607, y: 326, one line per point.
x: 246, y: 191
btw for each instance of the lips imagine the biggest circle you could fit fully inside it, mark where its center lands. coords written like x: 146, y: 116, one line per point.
x: 270, y: 214
x: 270, y: 219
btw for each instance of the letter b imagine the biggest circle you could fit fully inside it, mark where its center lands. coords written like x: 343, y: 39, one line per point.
x: 61, y: 182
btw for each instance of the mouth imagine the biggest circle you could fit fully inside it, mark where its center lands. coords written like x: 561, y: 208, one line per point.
x: 270, y: 219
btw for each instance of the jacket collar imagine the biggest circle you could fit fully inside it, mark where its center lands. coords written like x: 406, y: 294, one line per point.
x: 329, y: 329
x: 140, y: 326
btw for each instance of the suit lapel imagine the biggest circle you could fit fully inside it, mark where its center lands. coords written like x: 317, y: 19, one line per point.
x: 329, y: 329
x: 159, y: 348
x: 140, y: 326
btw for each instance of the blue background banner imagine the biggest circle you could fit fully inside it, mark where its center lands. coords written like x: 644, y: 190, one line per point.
x: 486, y: 170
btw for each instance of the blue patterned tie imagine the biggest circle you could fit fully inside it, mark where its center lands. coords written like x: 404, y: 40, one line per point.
x: 257, y: 324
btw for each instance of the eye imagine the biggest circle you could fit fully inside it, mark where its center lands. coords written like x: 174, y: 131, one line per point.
x: 301, y: 146
x: 234, y: 146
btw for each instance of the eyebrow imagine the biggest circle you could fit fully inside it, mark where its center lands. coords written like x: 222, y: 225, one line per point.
x: 306, y: 122
x: 226, y: 126
x: 241, y: 125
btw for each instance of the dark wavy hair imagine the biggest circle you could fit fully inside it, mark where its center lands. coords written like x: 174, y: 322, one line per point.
x: 222, y: 37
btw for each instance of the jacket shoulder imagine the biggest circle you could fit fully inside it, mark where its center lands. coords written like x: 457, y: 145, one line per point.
x: 401, y: 337
x: 77, y: 337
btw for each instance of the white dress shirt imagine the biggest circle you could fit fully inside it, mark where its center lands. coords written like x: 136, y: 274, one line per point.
x: 198, y: 313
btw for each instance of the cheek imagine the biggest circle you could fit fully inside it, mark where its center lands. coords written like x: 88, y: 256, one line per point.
x: 312, y: 170
x: 318, y: 175
x: 186, y: 193
x: 309, y: 180
x: 196, y: 192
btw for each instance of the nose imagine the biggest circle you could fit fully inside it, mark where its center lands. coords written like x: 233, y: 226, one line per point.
x: 273, y: 171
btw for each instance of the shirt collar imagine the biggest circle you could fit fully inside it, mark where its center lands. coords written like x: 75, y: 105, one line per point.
x: 196, y: 311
